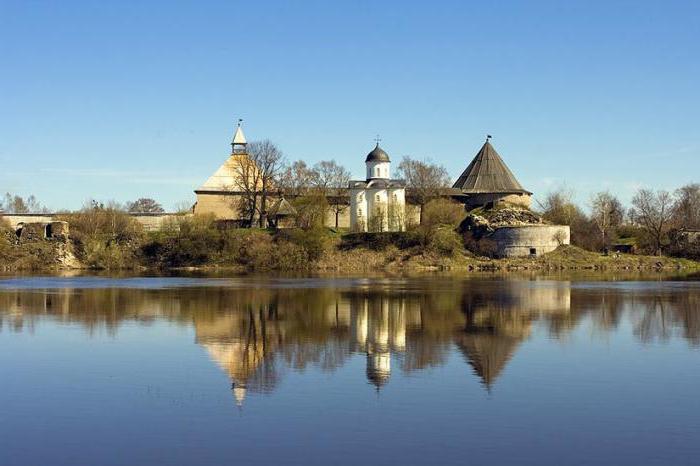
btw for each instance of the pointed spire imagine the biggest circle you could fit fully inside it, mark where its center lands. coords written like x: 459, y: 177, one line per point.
x: 238, y: 144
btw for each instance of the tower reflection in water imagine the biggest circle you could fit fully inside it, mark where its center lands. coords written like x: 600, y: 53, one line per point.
x: 255, y: 334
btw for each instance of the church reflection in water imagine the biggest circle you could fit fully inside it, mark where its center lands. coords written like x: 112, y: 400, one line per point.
x: 255, y: 334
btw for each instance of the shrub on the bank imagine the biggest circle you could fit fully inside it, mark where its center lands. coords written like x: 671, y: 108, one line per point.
x: 290, y: 256
x: 35, y: 255
x: 313, y: 242
x: 380, y: 241
x: 442, y: 212
x: 110, y: 256
x: 105, y: 236
x: 191, y: 241
x: 445, y: 241
x: 311, y: 211
x: 253, y: 248
x: 5, y: 232
x: 198, y: 241
x: 99, y: 221
x: 485, y: 247
x: 683, y: 244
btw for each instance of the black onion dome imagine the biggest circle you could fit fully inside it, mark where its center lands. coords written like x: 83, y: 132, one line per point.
x: 377, y: 155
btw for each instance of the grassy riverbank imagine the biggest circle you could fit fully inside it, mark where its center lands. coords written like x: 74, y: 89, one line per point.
x: 264, y: 255
x: 197, y: 243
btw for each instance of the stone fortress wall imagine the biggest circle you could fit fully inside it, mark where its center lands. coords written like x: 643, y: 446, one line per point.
x: 150, y: 222
x: 529, y: 240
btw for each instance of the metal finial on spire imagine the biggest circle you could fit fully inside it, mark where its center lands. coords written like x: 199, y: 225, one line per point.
x: 488, y: 136
x: 377, y: 139
x: 238, y: 143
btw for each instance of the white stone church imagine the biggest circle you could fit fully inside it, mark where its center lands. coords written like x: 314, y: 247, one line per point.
x: 378, y: 203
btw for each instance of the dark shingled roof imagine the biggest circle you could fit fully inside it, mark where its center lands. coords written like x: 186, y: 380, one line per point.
x: 488, y: 173
x: 377, y: 155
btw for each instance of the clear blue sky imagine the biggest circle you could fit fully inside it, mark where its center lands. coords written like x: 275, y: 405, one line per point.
x: 118, y: 100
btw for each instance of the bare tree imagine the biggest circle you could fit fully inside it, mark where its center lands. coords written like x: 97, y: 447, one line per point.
x: 653, y: 210
x: 269, y: 161
x: 185, y: 206
x: 686, y: 209
x: 332, y: 179
x: 247, y: 182
x: 378, y: 221
x: 607, y: 213
x: 145, y: 205
x: 296, y: 179
x: 424, y: 180
x: 256, y: 174
x: 14, y: 204
x: 558, y: 207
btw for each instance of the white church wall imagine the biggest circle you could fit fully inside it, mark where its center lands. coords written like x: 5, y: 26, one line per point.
x: 358, y: 210
x: 396, y: 209
x: 378, y: 170
x: 377, y: 210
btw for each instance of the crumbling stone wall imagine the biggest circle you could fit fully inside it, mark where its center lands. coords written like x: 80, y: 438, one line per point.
x: 38, y: 231
x: 31, y: 231
x: 59, y: 230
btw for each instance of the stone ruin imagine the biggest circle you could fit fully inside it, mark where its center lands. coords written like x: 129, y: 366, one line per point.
x: 514, y: 232
x: 481, y: 226
x: 38, y: 231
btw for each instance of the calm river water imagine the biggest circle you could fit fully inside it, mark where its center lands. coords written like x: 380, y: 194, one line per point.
x: 431, y: 370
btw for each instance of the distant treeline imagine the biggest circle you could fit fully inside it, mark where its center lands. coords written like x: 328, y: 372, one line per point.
x: 657, y: 222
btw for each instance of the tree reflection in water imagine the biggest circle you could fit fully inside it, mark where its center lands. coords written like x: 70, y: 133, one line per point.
x: 255, y: 334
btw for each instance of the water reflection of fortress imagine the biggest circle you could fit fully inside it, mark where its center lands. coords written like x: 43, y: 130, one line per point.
x: 255, y: 334
x: 383, y: 327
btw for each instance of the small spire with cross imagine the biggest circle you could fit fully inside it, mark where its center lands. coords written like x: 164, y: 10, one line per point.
x: 238, y: 144
x: 377, y: 140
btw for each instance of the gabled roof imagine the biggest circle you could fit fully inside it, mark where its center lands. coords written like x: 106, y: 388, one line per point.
x: 488, y: 173
x: 282, y: 208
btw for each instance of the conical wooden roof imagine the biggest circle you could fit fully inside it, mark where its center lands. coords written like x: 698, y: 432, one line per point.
x: 488, y: 173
